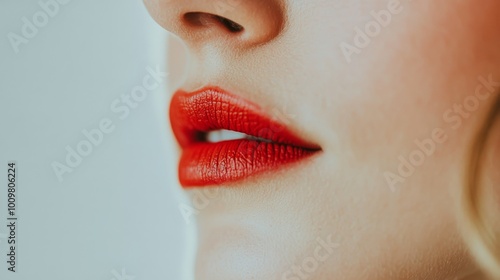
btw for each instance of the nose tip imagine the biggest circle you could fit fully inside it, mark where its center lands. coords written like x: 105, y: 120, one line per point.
x: 240, y: 22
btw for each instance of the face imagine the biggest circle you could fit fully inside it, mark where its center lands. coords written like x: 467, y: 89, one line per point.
x: 389, y: 96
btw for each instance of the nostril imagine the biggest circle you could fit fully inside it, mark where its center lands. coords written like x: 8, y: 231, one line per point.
x: 230, y: 25
x: 207, y: 20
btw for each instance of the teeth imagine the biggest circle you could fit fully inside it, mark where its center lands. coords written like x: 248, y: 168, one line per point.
x: 224, y: 135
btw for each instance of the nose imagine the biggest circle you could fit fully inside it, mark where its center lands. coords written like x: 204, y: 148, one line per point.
x: 243, y: 23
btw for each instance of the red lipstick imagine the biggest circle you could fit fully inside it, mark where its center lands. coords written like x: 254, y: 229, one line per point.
x: 267, y: 146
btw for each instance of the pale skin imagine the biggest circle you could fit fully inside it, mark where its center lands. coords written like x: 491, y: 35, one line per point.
x: 366, y: 109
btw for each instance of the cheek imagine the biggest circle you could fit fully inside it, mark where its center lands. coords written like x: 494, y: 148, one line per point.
x: 493, y: 157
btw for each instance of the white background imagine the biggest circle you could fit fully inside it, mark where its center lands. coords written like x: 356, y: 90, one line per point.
x: 118, y: 210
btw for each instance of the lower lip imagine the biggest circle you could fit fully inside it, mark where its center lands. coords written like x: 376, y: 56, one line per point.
x: 206, y: 164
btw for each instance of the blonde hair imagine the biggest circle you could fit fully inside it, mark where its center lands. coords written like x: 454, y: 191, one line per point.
x: 478, y: 232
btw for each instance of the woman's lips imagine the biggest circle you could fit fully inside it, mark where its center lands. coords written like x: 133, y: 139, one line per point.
x: 269, y: 144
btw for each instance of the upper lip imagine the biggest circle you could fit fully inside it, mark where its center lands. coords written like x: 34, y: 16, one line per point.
x: 195, y: 114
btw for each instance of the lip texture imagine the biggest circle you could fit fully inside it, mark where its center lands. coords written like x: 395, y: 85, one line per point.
x: 202, y: 163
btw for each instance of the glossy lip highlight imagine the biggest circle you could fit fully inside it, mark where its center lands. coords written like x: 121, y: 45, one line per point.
x: 270, y: 144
